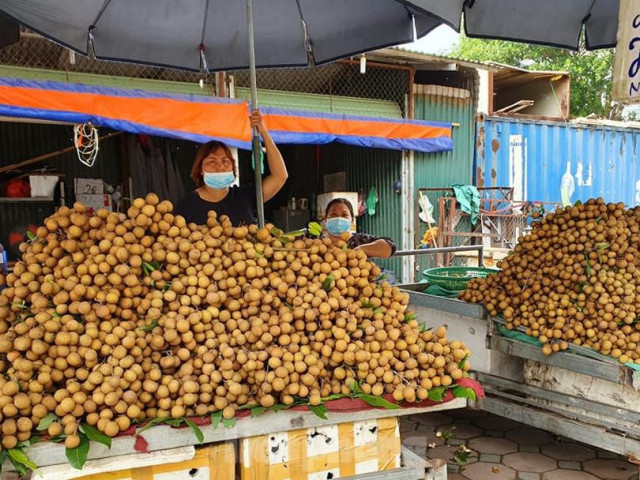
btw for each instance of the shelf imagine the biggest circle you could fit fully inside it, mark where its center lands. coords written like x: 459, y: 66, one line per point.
x: 163, y: 437
x: 26, y: 200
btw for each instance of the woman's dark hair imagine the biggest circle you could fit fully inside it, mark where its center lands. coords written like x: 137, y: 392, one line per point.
x: 203, y: 152
x: 337, y: 201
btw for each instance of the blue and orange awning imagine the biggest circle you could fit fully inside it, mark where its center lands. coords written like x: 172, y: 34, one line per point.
x: 201, y: 118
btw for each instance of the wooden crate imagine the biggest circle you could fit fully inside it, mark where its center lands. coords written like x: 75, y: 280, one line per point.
x: 331, y: 451
x: 214, y: 462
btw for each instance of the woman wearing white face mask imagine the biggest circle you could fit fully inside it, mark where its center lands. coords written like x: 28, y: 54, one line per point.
x: 338, y: 218
x: 214, y: 172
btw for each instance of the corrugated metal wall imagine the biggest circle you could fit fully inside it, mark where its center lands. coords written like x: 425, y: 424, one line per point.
x: 22, y: 141
x: 435, y: 170
x: 366, y: 168
x: 534, y: 157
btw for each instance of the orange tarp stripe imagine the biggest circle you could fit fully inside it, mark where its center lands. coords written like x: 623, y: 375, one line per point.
x: 354, y: 127
x: 227, y: 120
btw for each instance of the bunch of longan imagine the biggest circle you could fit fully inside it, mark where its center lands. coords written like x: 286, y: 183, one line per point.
x: 574, y: 279
x: 115, y: 318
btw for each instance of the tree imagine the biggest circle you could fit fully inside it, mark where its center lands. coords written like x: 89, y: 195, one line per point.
x: 590, y: 70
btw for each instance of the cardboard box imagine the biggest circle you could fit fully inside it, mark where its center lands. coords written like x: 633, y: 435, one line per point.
x: 95, y: 202
x: 89, y: 186
x: 43, y: 185
x: 214, y: 462
x: 333, y: 451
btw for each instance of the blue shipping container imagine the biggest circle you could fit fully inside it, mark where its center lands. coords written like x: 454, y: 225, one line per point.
x: 537, y: 158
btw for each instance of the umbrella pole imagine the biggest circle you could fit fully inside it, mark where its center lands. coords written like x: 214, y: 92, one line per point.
x: 255, y: 139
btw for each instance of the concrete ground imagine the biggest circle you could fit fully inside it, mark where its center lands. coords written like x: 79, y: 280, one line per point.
x: 481, y: 446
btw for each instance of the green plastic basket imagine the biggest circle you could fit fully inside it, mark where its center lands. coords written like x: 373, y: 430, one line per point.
x: 455, y: 278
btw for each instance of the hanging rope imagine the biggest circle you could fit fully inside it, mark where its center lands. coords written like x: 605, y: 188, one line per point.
x: 86, y: 141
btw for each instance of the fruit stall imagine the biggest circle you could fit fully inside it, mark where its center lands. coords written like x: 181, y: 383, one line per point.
x: 555, y: 331
x: 129, y: 339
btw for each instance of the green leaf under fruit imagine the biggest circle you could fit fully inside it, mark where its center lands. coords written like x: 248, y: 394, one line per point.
x: 174, y: 422
x: 463, y: 362
x: 436, y: 394
x: 78, y: 456
x: 464, y: 392
x: 20, y: 461
x: 96, y: 435
x: 230, y: 422
x: 319, y: 411
x: 410, y: 316
x: 153, y: 422
x: 326, y: 285
x: 46, y: 421
x: 148, y: 328
x: 255, y: 411
x: 196, y: 430
x: 295, y: 233
x: 3, y: 457
x: 216, y: 418
x: 379, y: 402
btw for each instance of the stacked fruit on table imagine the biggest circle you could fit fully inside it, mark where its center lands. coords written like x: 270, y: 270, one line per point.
x: 118, y: 318
x: 574, y: 279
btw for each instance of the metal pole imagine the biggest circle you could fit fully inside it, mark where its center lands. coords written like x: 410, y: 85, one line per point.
x: 433, y: 251
x: 255, y: 139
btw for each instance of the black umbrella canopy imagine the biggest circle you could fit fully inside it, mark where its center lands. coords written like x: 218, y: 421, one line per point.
x: 192, y: 34
x: 558, y: 23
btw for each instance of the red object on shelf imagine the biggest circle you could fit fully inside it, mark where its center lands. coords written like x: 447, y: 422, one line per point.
x: 17, y: 188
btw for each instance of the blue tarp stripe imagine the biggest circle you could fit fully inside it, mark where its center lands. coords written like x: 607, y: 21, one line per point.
x: 339, y: 116
x: 117, y: 92
x: 427, y: 145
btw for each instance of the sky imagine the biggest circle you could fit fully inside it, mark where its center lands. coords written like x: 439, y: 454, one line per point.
x: 439, y: 41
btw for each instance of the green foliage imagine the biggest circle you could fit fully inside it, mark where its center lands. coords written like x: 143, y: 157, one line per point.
x: 46, y: 421
x: 78, y: 456
x: 590, y: 70
x: 319, y: 411
x: 95, y: 435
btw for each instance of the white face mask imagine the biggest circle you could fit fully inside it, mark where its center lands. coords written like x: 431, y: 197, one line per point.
x: 218, y: 180
x: 338, y: 225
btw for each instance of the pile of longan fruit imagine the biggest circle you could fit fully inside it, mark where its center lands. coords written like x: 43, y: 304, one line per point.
x: 574, y: 279
x: 114, y: 318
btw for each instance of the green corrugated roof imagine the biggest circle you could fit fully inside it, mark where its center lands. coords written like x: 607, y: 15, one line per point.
x: 323, y: 103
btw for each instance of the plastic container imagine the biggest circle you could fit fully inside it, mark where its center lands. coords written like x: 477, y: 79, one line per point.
x: 455, y: 278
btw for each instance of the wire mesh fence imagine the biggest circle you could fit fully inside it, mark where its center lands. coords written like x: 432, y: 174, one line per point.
x: 342, y: 78
x: 339, y: 79
x: 35, y: 51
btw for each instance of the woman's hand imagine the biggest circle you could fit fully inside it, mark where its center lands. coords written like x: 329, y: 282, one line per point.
x: 274, y: 182
x: 256, y: 120
x: 378, y: 249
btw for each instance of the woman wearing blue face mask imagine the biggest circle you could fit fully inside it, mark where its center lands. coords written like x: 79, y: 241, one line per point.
x: 338, y: 218
x: 214, y: 171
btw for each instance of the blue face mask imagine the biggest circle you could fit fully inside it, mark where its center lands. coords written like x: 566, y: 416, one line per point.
x: 218, y: 180
x: 338, y: 225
